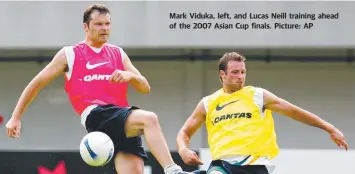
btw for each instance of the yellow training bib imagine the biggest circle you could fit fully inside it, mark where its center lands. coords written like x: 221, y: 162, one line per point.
x: 237, y: 124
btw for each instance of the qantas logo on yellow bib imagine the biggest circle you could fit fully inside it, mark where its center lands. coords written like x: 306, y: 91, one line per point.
x: 232, y: 116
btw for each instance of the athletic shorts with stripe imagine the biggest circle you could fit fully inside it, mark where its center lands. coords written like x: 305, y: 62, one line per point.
x: 227, y: 168
x: 111, y: 119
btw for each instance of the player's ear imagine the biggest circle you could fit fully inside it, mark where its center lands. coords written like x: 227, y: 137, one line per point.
x: 86, y: 27
x: 222, y: 73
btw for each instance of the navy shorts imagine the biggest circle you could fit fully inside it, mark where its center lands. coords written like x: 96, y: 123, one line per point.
x: 227, y: 168
x: 111, y: 119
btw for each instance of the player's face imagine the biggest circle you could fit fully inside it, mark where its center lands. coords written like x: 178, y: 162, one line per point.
x: 98, y: 29
x: 234, y: 77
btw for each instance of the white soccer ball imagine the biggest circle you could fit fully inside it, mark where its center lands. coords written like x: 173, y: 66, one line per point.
x: 96, y: 149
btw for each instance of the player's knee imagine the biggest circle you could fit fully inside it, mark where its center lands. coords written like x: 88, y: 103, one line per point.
x: 151, y: 119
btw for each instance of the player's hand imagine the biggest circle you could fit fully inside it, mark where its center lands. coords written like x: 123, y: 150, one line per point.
x: 121, y: 76
x: 338, y: 138
x: 13, y: 127
x: 189, y: 157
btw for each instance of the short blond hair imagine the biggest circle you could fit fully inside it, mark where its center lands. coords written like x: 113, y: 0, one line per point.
x: 227, y: 57
x: 230, y: 56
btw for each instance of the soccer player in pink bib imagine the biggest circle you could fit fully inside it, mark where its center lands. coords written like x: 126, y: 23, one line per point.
x: 97, y: 75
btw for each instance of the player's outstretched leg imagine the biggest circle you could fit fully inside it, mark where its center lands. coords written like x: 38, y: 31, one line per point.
x: 144, y: 122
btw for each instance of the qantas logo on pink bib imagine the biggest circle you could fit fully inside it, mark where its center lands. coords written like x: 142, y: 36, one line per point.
x: 89, y: 78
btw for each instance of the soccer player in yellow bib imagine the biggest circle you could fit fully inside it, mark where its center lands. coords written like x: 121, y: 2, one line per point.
x: 240, y: 126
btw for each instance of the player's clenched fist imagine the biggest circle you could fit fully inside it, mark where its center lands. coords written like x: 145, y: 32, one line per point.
x: 13, y: 128
x: 121, y: 76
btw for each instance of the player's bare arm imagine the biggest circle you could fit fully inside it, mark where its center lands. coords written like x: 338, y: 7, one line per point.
x: 56, y: 67
x: 131, y: 75
x: 279, y: 105
x: 190, y: 127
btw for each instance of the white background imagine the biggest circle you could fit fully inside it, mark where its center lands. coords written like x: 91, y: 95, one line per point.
x: 146, y: 24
